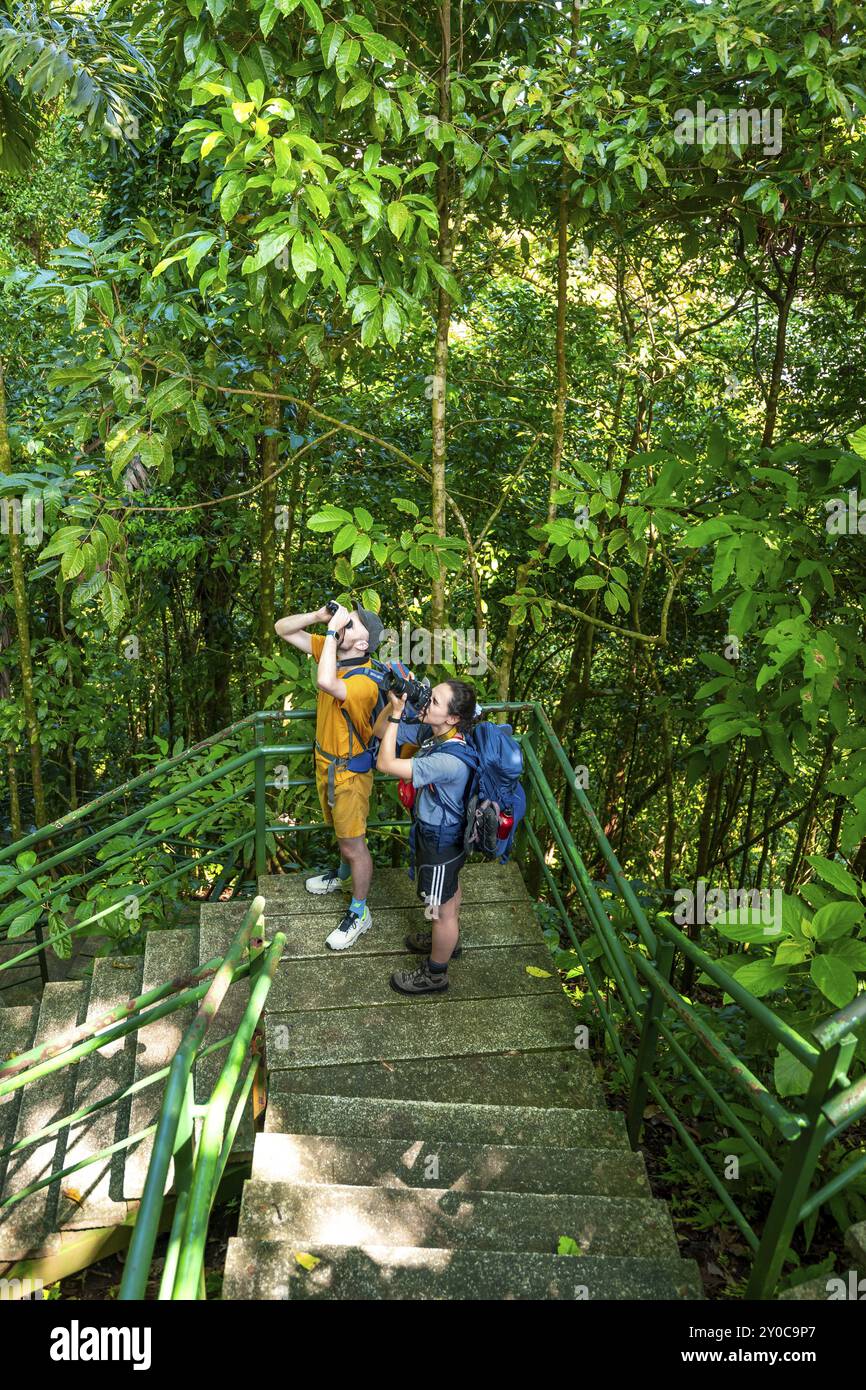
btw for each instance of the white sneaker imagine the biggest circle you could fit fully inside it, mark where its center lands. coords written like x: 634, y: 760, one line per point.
x: 351, y: 927
x: 329, y: 882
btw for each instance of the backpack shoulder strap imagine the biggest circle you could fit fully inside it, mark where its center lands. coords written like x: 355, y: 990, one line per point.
x: 374, y: 672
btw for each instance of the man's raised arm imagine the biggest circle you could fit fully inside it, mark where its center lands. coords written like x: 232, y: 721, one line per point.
x: 291, y: 629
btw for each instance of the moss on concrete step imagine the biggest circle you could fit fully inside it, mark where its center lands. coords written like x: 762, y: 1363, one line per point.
x: 563, y: 1077
x: 367, y: 1162
x: 17, y: 1026
x: 214, y: 940
x: 348, y: 980
x: 340, y: 1215
x: 392, y: 888
x: 455, y: 1122
x: 26, y: 1227
x: 168, y: 953
x: 482, y: 925
x: 432, y: 1027
x: 100, y: 1186
x: 268, y: 1269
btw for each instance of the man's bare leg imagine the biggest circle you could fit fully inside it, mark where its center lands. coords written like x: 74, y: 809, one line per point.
x: 360, y: 861
x: 446, y: 929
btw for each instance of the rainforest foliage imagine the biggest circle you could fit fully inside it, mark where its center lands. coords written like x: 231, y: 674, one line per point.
x: 537, y: 320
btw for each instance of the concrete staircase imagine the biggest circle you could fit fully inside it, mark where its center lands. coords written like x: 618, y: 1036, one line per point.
x: 413, y: 1148
x: 104, y: 1194
x: 437, y: 1147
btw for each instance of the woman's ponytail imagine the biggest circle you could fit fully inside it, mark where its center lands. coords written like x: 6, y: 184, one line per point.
x: 463, y: 703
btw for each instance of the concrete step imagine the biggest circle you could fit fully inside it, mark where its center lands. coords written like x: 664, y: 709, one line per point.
x: 458, y: 1123
x: 269, y: 1269
x: 347, y: 981
x: 98, y: 1189
x: 17, y: 1026
x: 366, y: 1162
x: 564, y: 1077
x: 19, y: 984
x: 855, y: 1242
x: 481, y: 883
x: 168, y: 952
x: 310, y: 1215
x: 215, y: 937
x: 434, y: 1027
x: 25, y: 1228
x: 482, y: 925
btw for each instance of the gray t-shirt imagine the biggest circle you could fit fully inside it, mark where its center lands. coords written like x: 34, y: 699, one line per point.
x: 450, y: 773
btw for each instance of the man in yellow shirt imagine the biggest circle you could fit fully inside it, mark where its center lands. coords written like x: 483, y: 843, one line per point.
x: 344, y: 728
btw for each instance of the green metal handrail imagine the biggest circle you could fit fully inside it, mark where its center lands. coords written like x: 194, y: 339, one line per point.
x: 212, y: 1150
x: 641, y: 971
x: 174, y: 1127
x: 639, y: 966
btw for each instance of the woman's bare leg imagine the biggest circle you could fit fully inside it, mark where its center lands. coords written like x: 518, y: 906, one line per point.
x: 446, y: 929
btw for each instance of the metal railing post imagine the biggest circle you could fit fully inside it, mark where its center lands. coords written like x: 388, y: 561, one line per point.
x: 784, y: 1215
x: 261, y: 807
x: 533, y: 865
x: 646, y: 1051
x: 184, y: 1163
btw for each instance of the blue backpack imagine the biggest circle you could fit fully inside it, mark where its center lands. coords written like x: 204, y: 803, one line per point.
x: 495, y: 762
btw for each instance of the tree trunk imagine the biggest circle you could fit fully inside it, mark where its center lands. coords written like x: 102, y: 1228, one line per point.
x: 784, y: 310
x: 14, y: 800
x: 268, y: 529
x: 443, y: 319
x: 22, y: 622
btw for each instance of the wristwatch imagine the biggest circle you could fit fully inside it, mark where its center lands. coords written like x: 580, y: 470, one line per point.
x: 391, y: 720
x: 332, y: 633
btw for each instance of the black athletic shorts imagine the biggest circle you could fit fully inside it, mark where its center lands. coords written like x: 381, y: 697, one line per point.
x: 436, y: 867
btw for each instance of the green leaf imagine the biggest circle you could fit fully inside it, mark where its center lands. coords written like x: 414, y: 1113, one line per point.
x: 853, y: 953
x: 25, y: 921
x: 835, y: 979
x: 360, y: 551
x: 331, y: 38
x: 836, y: 919
x: 345, y: 537
x: 792, y: 1078
x: 330, y: 518
x: 113, y: 605
x: 835, y: 874
x: 762, y: 976
x: 304, y: 261
x: 199, y: 248
x: 392, y: 322
x: 405, y: 504
x: 356, y: 94
x: 268, y: 249
x: 398, y: 217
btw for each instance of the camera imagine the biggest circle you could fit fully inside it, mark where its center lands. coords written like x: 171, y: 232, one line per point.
x: 332, y: 605
x: 417, y: 691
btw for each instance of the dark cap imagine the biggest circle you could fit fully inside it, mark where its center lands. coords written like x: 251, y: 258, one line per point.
x: 373, y: 624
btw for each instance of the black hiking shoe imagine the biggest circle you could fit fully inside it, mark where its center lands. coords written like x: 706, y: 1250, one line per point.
x: 421, y: 942
x: 420, y: 981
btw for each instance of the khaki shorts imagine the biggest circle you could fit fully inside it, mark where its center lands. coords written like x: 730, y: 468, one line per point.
x: 351, y: 807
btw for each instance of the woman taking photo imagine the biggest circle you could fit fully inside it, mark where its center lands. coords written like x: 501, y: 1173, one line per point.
x: 439, y: 778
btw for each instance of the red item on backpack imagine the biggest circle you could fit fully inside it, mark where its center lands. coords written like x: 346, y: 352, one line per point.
x: 406, y: 793
x: 506, y: 820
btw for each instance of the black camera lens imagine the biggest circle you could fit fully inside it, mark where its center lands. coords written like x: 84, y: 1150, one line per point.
x: 332, y: 605
x: 417, y: 691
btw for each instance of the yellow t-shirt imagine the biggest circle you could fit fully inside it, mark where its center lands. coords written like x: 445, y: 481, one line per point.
x: 361, y: 695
